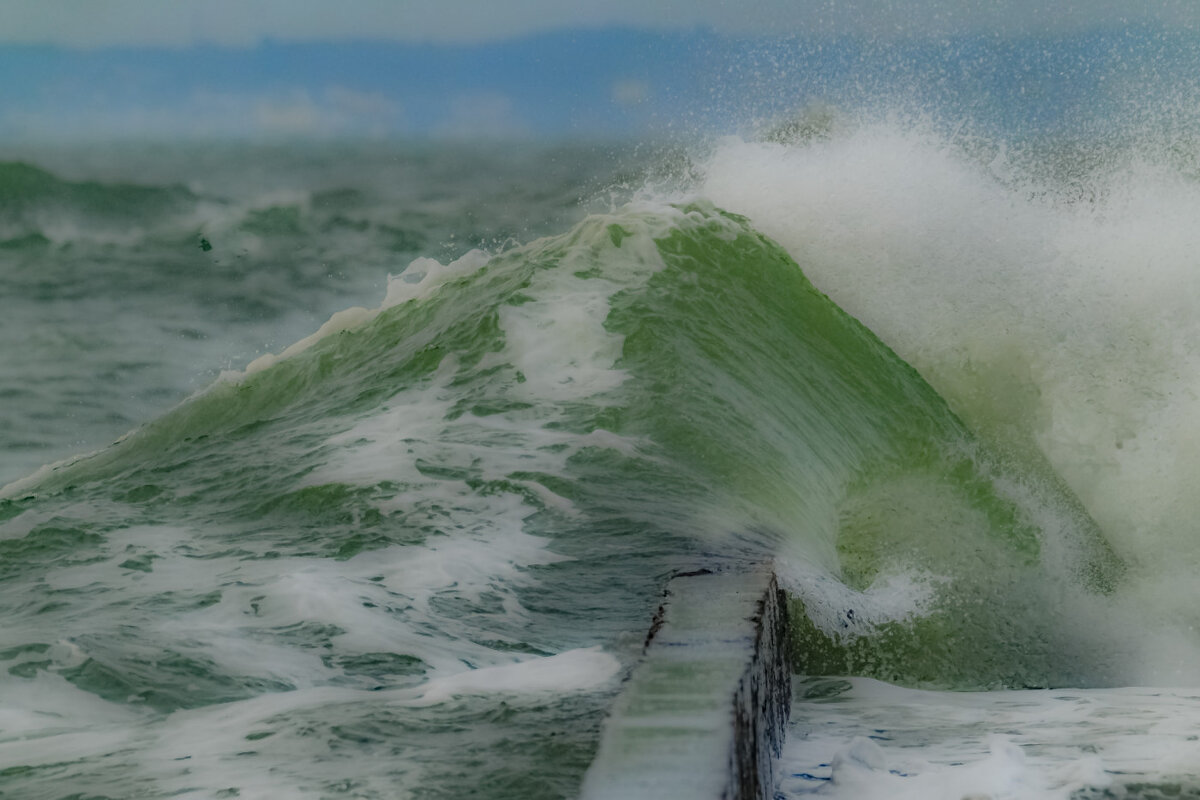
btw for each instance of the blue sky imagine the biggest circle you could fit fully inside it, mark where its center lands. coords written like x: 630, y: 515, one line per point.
x: 269, y: 69
x: 600, y: 82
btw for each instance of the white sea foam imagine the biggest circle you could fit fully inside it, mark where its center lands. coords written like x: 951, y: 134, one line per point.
x: 425, y: 275
x: 838, y: 609
x: 383, y: 601
x: 561, y: 351
x: 572, y: 671
x: 872, y: 740
x: 205, y: 749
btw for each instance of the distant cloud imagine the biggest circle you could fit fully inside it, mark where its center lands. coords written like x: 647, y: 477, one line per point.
x: 338, y: 110
x: 362, y: 104
x: 333, y: 111
x: 482, y: 115
x: 296, y: 115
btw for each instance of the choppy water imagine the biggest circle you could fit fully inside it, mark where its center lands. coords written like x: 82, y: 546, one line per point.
x: 860, y: 738
x: 115, y: 311
x: 412, y: 554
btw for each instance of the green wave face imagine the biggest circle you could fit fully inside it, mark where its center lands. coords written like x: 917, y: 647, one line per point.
x: 504, y: 463
x: 843, y: 460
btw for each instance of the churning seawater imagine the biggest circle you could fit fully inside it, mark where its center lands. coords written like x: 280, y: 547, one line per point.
x: 948, y: 385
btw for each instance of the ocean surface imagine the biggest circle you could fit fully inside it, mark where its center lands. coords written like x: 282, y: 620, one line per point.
x: 357, y: 470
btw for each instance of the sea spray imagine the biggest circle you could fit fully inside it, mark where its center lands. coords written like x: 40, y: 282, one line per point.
x: 1045, y: 288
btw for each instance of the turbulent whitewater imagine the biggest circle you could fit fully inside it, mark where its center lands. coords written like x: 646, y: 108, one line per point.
x: 411, y: 551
